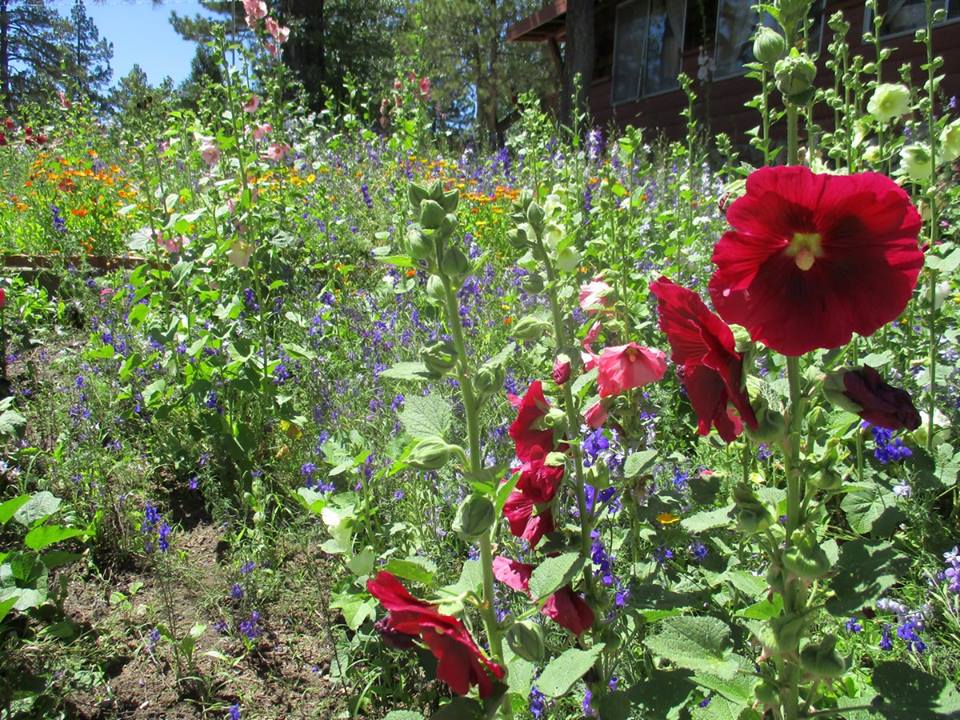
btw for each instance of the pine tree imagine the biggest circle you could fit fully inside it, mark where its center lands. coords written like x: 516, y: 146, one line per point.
x: 31, y: 53
x: 88, y: 55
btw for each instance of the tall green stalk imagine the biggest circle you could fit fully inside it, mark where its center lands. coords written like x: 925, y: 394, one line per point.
x: 934, y: 225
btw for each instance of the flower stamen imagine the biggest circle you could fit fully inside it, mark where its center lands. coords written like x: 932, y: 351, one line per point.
x: 805, y: 248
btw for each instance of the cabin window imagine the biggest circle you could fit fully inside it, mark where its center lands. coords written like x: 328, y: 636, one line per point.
x: 648, y: 43
x: 906, y: 16
x: 664, y: 45
x: 736, y: 22
x: 628, y: 42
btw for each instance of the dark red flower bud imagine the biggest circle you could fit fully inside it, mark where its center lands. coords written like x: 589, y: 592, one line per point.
x: 9, y: 124
x: 561, y: 369
x: 881, y: 404
x: 3, y: 139
x: 392, y: 638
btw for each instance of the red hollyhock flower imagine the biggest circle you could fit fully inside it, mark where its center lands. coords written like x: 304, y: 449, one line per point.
x: 628, y: 366
x: 703, y: 348
x: 813, y: 258
x: 527, y: 440
x: 3, y: 298
x: 595, y: 415
x: 460, y: 664
x: 881, y: 404
x: 539, y: 481
x: 519, y: 511
x: 564, y: 607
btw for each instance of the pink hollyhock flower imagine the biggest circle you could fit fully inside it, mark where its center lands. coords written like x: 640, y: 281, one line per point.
x: 519, y: 511
x: 277, y: 152
x: 629, y: 366
x: 105, y: 295
x: 251, y: 105
x: 561, y: 369
x: 240, y: 253
x: 172, y: 245
x: 254, y: 10
x: 595, y: 415
x: 277, y: 31
x: 564, y: 607
x: 3, y: 298
x: 209, y: 152
x: 272, y: 49
x: 595, y: 295
x: 528, y: 441
x: 260, y: 131
x: 460, y: 663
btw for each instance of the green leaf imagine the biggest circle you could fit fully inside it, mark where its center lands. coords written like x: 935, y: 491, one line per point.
x: 419, y: 570
x: 10, y: 420
x: 707, y: 520
x: 41, y: 505
x: 471, y: 577
x: 871, y: 508
x: 46, y: 535
x: 946, y: 264
x: 459, y: 708
x: 356, y: 608
x: 695, y: 643
x: 403, y: 715
x: 10, y: 507
x: 637, y: 462
x: 912, y: 694
x: 866, y: 569
x: 721, y: 708
x: 362, y: 563
x: 520, y: 676
x: 661, y: 695
x: 408, y: 371
x: 554, y: 573
x: 6, y: 606
x: 298, y: 351
x: 426, y: 417
x: 738, y: 689
x: 563, y: 671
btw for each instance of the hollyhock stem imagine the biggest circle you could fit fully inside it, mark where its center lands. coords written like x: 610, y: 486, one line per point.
x: 471, y: 412
x: 792, y: 595
x: 573, y: 423
x: 934, y: 223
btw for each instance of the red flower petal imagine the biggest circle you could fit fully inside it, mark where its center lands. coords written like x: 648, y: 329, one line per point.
x: 881, y: 404
x: 512, y: 573
x: 569, y: 610
x: 523, y: 523
x: 527, y: 440
x: 539, y: 481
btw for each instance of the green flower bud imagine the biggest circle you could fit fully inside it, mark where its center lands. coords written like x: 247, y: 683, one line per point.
x: 568, y: 259
x: 555, y: 418
x: 436, y: 292
x: 889, y: 102
x: 450, y: 200
x: 431, y: 214
x: 416, y: 194
x: 794, y: 75
x: 805, y: 558
x: 771, y: 426
x: 530, y: 328
x: 526, y: 641
x: 455, y: 263
x: 535, y: 216
x: 421, y: 247
x: 768, y: 46
x: 439, y: 357
x: 448, y: 225
x: 533, y: 283
x: 429, y: 454
x: 435, y: 190
x: 488, y: 380
x: 752, y: 515
x: 788, y: 629
x: 517, y: 239
x: 792, y: 13
x: 741, y: 336
x: 475, y: 516
x: 916, y: 162
x: 822, y: 659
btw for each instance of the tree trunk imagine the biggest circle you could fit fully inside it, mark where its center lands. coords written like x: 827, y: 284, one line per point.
x: 578, y: 59
x: 5, y: 54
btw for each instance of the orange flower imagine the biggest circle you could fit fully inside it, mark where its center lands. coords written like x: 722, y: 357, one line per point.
x: 79, y: 212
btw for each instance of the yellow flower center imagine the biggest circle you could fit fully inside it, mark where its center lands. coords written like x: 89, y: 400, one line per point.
x: 805, y: 248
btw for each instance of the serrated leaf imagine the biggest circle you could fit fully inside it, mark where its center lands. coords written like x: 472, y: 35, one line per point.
x: 356, y: 609
x: 695, y: 643
x: 41, y: 505
x: 638, y: 462
x: 707, y: 520
x: 866, y: 569
x: 418, y: 570
x: 10, y: 507
x: 563, y: 671
x: 426, y: 417
x: 871, y: 508
x: 554, y: 573
x: 408, y: 371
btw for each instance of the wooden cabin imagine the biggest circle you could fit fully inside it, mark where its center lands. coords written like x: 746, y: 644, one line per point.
x: 642, y: 46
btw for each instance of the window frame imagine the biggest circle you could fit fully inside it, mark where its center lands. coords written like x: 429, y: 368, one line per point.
x: 868, y: 23
x: 614, y: 102
x: 683, y: 32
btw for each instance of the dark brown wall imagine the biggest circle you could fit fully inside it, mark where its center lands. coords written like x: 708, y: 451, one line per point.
x: 725, y: 99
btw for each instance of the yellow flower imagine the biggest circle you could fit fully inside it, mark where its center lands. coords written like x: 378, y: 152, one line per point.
x: 667, y: 518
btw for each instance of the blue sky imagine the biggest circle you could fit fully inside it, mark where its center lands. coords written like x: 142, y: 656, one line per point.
x: 141, y: 34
